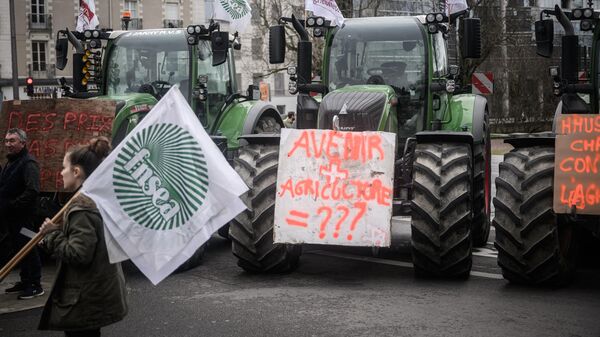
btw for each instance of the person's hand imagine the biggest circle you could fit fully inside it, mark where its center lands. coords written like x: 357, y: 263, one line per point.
x: 49, y: 226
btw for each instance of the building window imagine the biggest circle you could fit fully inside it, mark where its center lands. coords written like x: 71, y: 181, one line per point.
x: 256, y: 78
x: 238, y: 79
x: 132, y: 7
x: 257, y: 47
x: 38, y: 11
x: 279, y: 84
x: 39, y: 55
x: 172, y: 11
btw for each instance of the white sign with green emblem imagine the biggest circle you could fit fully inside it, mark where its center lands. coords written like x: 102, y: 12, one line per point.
x: 164, y: 190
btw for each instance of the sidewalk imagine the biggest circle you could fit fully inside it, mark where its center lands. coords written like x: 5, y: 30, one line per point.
x: 9, y: 302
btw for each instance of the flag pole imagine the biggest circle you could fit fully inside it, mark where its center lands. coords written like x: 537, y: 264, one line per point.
x: 32, y: 243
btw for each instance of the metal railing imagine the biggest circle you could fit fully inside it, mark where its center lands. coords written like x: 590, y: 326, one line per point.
x: 172, y: 23
x: 135, y: 24
x: 40, y: 22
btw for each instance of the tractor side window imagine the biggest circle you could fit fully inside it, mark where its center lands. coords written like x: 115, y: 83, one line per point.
x: 219, y: 85
x: 440, y: 58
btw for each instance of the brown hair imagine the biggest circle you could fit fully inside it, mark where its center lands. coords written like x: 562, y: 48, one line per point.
x: 88, y: 157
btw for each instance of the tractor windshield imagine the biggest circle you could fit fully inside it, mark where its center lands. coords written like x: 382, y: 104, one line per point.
x: 387, y: 51
x: 147, y: 61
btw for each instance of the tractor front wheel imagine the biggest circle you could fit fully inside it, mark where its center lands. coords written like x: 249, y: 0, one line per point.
x: 535, y: 246
x: 251, y: 231
x: 441, y: 210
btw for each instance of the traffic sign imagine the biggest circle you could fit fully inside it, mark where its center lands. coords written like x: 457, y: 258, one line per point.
x: 483, y: 83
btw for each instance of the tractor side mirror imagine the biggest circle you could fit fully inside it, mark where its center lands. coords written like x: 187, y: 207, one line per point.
x: 219, y: 45
x: 570, y: 58
x: 544, y: 37
x: 471, y: 38
x: 277, y: 44
x: 62, y: 48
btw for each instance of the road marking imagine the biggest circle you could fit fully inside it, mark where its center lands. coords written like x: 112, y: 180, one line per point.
x: 486, y: 252
x: 391, y: 262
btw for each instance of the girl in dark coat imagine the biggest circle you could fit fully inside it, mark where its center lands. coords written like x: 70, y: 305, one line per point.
x: 88, y: 291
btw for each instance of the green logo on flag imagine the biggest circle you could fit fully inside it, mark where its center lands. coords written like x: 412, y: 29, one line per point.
x: 160, y: 177
x: 236, y: 8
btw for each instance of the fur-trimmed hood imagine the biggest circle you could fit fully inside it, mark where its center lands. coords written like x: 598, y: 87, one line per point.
x: 81, y: 202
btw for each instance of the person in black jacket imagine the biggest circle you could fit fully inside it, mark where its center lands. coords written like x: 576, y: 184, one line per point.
x: 19, y: 190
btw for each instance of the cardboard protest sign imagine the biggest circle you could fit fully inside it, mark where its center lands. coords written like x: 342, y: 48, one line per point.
x: 577, y: 164
x: 335, y: 187
x: 55, y: 125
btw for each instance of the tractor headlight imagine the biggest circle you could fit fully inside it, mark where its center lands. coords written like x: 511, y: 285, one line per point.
x: 191, y: 40
x: 310, y: 22
x: 291, y: 71
x: 588, y: 13
x: 198, y: 29
x: 318, y: 32
x: 320, y: 21
x: 554, y: 71
x: 293, y: 88
x: 432, y: 28
x: 95, y: 34
x: 94, y: 44
x: 586, y: 25
x: 430, y: 18
x: 577, y: 13
x: 190, y: 30
x: 439, y: 17
x: 87, y: 34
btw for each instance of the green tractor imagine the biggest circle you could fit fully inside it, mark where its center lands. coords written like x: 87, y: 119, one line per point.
x: 386, y: 74
x: 135, y: 68
x: 544, y: 202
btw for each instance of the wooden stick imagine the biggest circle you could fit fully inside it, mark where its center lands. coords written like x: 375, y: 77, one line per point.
x: 32, y: 243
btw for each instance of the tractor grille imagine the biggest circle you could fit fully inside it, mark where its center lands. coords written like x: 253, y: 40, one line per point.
x: 363, y: 110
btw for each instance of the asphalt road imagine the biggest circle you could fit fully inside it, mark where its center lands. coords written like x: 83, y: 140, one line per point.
x: 345, y: 292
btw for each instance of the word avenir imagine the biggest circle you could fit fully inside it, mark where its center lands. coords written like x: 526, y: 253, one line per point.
x: 338, y: 144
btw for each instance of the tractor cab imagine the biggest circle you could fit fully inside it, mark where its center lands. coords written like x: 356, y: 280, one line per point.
x: 152, y: 61
x: 385, y: 60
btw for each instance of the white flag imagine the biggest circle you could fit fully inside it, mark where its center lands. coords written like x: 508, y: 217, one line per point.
x: 164, y: 190
x: 87, y: 18
x: 237, y: 12
x: 455, y: 6
x: 327, y: 9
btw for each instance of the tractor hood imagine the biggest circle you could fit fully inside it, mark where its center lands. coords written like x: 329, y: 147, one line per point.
x: 355, y: 108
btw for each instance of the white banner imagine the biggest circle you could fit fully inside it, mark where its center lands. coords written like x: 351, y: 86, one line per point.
x: 87, y: 18
x: 237, y: 12
x: 335, y: 187
x: 164, y: 190
x: 327, y: 9
x: 455, y: 6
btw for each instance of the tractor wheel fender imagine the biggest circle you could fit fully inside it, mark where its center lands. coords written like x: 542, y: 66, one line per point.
x: 257, y: 111
x: 557, y: 114
x: 476, y: 106
x: 479, y: 111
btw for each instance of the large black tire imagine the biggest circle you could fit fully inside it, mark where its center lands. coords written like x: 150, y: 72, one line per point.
x: 441, y: 210
x: 251, y: 231
x: 482, y: 170
x: 532, y: 247
x: 266, y: 124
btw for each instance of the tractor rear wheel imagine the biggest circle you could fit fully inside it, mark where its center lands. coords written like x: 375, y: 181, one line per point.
x: 251, y: 231
x: 482, y: 169
x: 535, y: 246
x: 265, y: 124
x: 441, y: 210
